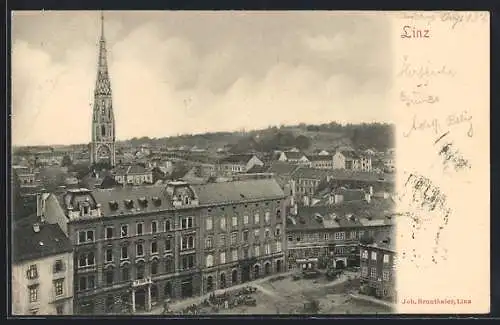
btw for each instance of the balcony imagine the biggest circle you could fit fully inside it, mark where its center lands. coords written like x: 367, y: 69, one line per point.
x: 141, y: 282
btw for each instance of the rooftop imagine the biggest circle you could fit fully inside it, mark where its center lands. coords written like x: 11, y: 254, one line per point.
x: 293, y: 154
x: 31, y: 245
x: 282, y: 168
x: 154, y: 198
x: 236, y: 159
x: 320, y: 157
x: 341, y: 174
x: 383, y: 241
x: 349, y: 214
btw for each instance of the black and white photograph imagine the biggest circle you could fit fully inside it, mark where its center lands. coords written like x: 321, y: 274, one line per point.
x: 202, y: 163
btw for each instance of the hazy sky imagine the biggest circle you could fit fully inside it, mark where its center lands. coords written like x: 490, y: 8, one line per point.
x: 183, y: 72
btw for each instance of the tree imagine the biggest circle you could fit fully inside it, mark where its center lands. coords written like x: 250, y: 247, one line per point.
x: 81, y: 170
x: 66, y: 161
x: 302, y: 142
x: 157, y: 174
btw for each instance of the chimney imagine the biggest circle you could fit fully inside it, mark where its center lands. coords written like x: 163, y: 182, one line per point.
x: 36, y: 227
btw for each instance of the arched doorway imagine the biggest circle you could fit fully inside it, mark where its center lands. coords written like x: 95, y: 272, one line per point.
x: 339, y: 264
x: 256, y: 271
x: 278, y: 266
x: 234, y: 277
x: 210, y: 283
x: 267, y: 268
x: 222, y: 281
x: 168, y: 290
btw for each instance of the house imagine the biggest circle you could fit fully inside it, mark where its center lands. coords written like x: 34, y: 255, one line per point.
x: 294, y: 157
x: 389, y: 162
x: 133, y: 175
x: 332, y: 233
x: 136, y: 247
x: 42, y: 270
x: 233, y: 164
x: 306, y: 181
x: 321, y: 161
x: 378, y: 261
x: 351, y: 160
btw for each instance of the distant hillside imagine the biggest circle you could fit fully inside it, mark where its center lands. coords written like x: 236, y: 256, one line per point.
x: 305, y: 137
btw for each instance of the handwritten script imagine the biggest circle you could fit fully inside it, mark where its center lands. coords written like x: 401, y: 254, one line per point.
x: 453, y: 18
x: 436, y: 126
x: 428, y: 70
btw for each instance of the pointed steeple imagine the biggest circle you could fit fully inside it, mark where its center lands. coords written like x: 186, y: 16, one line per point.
x: 103, y: 120
x: 103, y: 85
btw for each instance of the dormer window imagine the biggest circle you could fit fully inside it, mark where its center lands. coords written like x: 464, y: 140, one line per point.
x: 143, y: 202
x: 157, y: 201
x: 113, y: 205
x: 129, y: 204
x: 187, y: 200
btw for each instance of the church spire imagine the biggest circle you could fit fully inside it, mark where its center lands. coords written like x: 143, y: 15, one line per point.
x: 103, y: 121
x: 102, y: 26
x: 103, y: 85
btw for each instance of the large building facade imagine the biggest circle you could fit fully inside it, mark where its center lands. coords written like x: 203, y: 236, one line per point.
x: 135, y: 247
x: 102, y: 147
x: 331, y: 236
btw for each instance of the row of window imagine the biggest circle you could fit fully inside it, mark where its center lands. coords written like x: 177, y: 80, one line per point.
x: 209, y: 241
x: 86, y: 282
x: 209, y: 224
x: 34, y: 290
x: 32, y: 272
x: 341, y: 235
x: 209, y: 260
x: 373, y: 273
x: 88, y: 258
x: 86, y: 236
x: 364, y: 255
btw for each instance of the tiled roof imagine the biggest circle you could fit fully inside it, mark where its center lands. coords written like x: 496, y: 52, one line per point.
x: 236, y: 159
x: 113, y: 200
x: 375, y: 213
x: 237, y: 191
x: 294, y: 155
x: 30, y: 245
x: 282, y: 168
x: 341, y: 174
x: 320, y: 157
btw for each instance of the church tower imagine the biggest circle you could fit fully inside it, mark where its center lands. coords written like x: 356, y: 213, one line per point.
x: 102, y: 147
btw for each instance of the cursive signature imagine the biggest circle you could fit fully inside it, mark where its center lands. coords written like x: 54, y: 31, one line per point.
x: 460, y: 118
x: 411, y: 70
x: 434, y: 124
x: 421, y: 125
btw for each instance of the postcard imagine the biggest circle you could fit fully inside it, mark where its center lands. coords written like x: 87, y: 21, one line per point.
x: 249, y: 163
